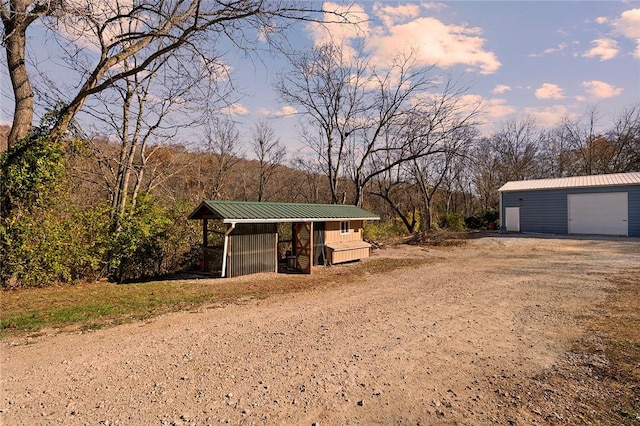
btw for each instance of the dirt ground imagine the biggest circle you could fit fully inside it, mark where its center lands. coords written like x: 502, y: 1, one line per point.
x: 485, y: 333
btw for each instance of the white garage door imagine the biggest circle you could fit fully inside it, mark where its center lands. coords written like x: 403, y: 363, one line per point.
x: 602, y: 214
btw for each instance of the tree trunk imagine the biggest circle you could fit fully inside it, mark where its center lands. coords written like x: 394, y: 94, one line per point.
x: 23, y: 112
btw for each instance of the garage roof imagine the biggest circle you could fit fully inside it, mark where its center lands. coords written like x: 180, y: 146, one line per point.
x: 258, y: 212
x: 615, y: 179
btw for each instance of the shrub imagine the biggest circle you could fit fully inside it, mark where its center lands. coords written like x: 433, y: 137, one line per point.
x: 454, y: 222
x: 379, y: 231
x: 473, y: 222
x: 491, y: 216
x: 32, y: 236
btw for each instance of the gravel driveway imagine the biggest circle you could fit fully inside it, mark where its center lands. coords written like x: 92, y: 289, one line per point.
x: 442, y: 343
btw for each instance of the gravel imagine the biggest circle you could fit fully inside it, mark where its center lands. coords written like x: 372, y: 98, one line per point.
x: 464, y: 339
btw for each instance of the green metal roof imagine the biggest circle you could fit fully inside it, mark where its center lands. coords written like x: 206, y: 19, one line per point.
x: 257, y: 212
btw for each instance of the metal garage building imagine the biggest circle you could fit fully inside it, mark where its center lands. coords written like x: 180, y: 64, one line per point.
x: 597, y: 205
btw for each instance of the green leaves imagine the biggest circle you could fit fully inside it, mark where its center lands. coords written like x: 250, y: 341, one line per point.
x: 31, y: 235
x: 30, y: 172
x: 135, y: 248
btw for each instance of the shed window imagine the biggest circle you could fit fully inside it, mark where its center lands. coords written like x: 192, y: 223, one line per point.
x: 344, y: 227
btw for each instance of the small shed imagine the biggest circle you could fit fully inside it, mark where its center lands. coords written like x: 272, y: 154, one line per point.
x: 597, y: 205
x: 243, y: 237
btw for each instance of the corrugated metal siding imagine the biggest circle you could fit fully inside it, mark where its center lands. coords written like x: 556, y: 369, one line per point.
x: 634, y: 211
x: 252, y: 253
x: 255, y: 228
x: 545, y: 211
x: 540, y: 211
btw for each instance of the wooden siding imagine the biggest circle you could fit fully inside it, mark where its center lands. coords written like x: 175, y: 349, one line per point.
x: 332, y: 232
x: 545, y: 211
x: 339, y: 256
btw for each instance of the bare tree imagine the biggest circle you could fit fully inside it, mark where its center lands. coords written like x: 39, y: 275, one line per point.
x: 486, y: 173
x: 394, y: 187
x: 137, y: 111
x: 430, y: 171
x: 556, y: 156
x: 330, y: 90
x: 392, y: 96
x: 307, y: 187
x: 583, y: 146
x: 112, y: 32
x: 517, y: 146
x: 367, y: 116
x: 625, y: 136
x: 223, y: 149
x: 584, y: 138
x: 269, y: 152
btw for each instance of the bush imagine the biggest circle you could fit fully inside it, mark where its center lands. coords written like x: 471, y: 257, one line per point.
x: 32, y: 236
x: 482, y: 220
x: 454, y: 222
x: 491, y: 216
x: 153, y: 241
x: 473, y: 222
x: 379, y: 231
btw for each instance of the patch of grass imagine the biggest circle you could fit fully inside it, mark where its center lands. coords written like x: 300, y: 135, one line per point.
x: 98, y: 305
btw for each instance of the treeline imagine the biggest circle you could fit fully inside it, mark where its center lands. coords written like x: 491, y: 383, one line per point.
x: 102, y: 189
x: 71, y: 211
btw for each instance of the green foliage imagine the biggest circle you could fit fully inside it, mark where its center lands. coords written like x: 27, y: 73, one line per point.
x: 91, y: 242
x: 33, y: 236
x: 153, y: 241
x: 182, y: 245
x: 30, y: 172
x: 482, y: 221
x: 135, y: 248
x: 491, y: 215
x: 454, y: 222
x: 380, y: 231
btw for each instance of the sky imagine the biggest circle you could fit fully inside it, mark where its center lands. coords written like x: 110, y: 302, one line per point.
x: 546, y: 59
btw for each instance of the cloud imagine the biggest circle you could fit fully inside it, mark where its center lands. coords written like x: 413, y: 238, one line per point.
x: 340, y: 32
x: 235, y: 109
x: 549, y: 116
x: 604, y: 49
x: 628, y: 24
x: 500, y: 89
x: 600, y: 89
x: 401, y: 29
x: 286, y: 111
x: 549, y: 91
x: 559, y: 48
x: 494, y: 110
x: 391, y: 15
x: 434, y: 42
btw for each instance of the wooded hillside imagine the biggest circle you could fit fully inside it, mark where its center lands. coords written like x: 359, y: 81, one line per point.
x: 82, y: 209
x: 101, y: 187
